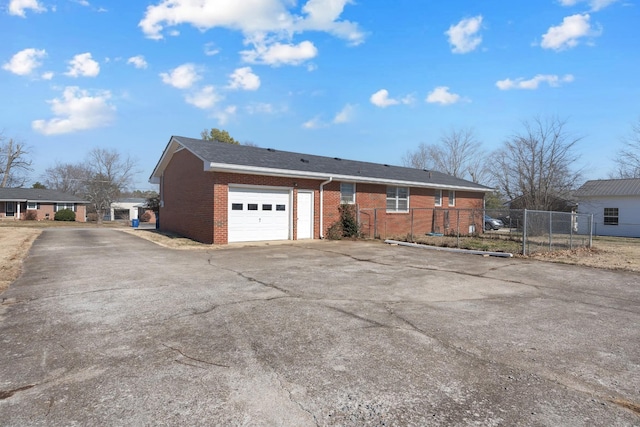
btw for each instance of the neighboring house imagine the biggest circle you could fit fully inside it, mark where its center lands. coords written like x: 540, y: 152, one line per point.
x: 220, y: 193
x: 38, y: 204
x: 128, y: 209
x: 615, y: 205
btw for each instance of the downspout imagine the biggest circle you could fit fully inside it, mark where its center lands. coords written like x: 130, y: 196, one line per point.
x: 322, y: 205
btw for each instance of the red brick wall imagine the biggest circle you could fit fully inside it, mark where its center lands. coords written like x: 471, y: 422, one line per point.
x: 43, y: 210
x: 187, y: 194
x: 196, y: 202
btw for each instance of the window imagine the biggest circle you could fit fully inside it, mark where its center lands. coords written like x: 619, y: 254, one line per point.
x: 347, y: 192
x: 61, y: 206
x: 438, y: 198
x: 610, y: 216
x: 452, y: 198
x: 279, y: 207
x: 252, y: 207
x: 397, y: 199
x: 32, y: 205
x: 236, y: 206
x: 266, y: 207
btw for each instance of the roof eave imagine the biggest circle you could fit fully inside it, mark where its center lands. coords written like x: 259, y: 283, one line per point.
x: 256, y: 170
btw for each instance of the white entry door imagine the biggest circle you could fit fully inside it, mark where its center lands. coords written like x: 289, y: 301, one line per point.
x: 258, y: 214
x: 305, y: 215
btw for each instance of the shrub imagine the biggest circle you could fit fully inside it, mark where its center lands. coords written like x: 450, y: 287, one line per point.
x: 65, y: 215
x: 346, y: 226
x: 145, y: 217
x: 31, y: 215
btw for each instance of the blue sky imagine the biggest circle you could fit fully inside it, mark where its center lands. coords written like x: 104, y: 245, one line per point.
x: 366, y: 80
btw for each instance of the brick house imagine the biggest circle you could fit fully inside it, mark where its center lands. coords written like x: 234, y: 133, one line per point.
x: 38, y: 204
x: 220, y: 193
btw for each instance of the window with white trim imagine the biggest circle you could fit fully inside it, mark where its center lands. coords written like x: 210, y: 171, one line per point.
x: 32, y: 205
x: 452, y: 198
x: 610, y: 216
x: 347, y: 192
x: 397, y: 199
x: 61, y: 206
x: 437, y: 200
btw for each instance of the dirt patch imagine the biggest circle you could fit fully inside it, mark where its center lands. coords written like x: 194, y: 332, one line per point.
x: 15, y: 243
x: 168, y: 240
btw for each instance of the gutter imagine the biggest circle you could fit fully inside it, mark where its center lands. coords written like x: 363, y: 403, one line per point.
x: 322, y: 205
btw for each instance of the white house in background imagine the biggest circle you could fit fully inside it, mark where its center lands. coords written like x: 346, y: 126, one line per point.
x: 615, y: 205
x: 127, y: 209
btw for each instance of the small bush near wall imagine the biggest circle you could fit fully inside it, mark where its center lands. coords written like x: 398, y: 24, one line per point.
x: 65, y: 215
x: 31, y: 215
x: 346, y: 226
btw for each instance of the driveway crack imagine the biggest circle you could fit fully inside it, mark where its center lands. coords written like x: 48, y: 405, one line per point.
x: 206, y: 362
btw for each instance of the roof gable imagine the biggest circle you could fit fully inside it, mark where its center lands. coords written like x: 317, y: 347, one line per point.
x: 257, y: 160
x: 610, y: 187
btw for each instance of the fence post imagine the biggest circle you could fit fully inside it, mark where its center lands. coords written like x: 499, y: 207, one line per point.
x: 375, y: 223
x: 550, y: 231
x: 591, y: 231
x: 573, y: 218
x: 524, y: 233
x: 412, y: 239
x: 458, y: 230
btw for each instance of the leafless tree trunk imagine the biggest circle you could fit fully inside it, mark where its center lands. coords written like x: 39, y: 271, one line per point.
x: 109, y: 175
x: 628, y: 158
x: 536, y: 164
x: 13, y: 162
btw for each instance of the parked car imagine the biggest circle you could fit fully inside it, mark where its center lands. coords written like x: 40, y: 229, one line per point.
x: 492, y: 223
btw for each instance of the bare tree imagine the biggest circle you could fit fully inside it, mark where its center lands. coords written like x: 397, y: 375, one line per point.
x: 67, y: 178
x: 13, y: 163
x: 459, y: 154
x: 536, y: 164
x: 627, y: 160
x: 109, y: 174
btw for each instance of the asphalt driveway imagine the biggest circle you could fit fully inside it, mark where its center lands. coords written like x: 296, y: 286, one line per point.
x: 104, y: 328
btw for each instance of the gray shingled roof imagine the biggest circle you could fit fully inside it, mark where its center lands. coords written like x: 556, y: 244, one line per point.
x: 247, y: 156
x: 36, y: 195
x: 610, y: 187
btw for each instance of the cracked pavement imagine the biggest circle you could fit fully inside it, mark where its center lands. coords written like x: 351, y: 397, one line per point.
x: 104, y: 328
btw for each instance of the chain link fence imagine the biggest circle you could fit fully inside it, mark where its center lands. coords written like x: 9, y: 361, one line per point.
x: 516, y: 231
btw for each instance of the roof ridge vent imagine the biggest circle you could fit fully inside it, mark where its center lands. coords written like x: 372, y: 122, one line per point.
x: 271, y: 149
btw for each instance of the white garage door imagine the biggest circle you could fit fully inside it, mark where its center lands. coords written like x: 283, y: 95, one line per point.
x: 258, y: 214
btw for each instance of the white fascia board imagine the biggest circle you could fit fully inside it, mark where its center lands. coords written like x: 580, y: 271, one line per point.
x: 172, y: 147
x: 255, y: 170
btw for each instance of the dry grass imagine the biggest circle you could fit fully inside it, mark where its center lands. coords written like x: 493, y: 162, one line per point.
x: 15, y: 243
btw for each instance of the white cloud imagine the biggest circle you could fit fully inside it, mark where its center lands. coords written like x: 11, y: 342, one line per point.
x: 595, y: 5
x: 276, y: 53
x: 314, y: 123
x: 520, y: 83
x: 243, y: 78
x: 441, y: 95
x: 138, y: 61
x: 82, y: 65
x: 260, y: 108
x: 463, y: 36
x: 182, y: 77
x: 17, y: 7
x: 381, y: 99
x: 251, y: 17
x: 47, y: 75
x: 223, y: 116
x: 77, y: 110
x: 24, y: 62
x: 205, y: 98
x: 345, y: 115
x: 567, y: 34
x: 210, y: 49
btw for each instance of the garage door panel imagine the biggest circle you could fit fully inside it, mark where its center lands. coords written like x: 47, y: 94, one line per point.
x: 258, y: 214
